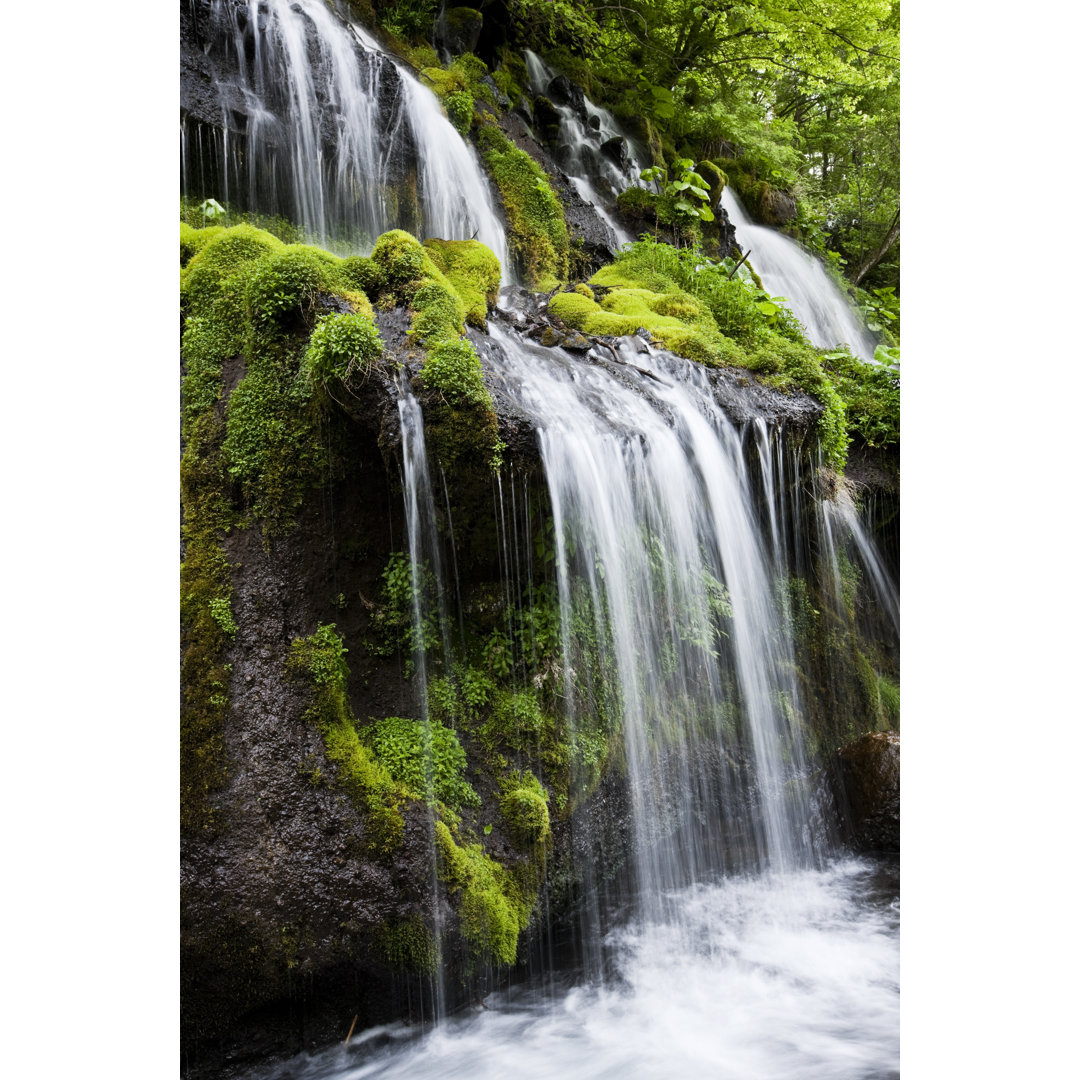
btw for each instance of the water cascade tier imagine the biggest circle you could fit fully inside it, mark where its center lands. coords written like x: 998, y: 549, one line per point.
x: 786, y: 270
x: 311, y: 120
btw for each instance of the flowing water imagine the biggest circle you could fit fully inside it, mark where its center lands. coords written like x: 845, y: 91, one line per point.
x: 596, y: 176
x: 333, y: 134
x: 762, y: 978
x: 737, y: 944
x: 787, y: 270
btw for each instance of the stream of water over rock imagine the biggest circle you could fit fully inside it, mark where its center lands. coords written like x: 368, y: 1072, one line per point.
x: 739, y: 943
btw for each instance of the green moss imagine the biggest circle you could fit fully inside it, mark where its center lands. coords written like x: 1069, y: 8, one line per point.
x: 360, y: 272
x: 285, y: 285
x: 459, y: 110
x: 461, y: 424
x: 538, y: 238
x: 202, y: 280
x: 444, y: 81
x: 524, y: 806
x: 341, y: 347
x: 424, y: 757
x: 409, y: 946
x: 889, y: 696
x: 583, y: 290
x: 473, y: 270
x: 491, y: 906
x: 320, y: 660
x: 193, y: 240
x: 399, y: 258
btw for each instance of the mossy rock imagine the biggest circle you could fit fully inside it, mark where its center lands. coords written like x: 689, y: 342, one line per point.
x: 193, y: 240
x: 473, y: 269
x: 538, y: 238
x: 219, y: 258
x: 524, y: 806
x: 492, y: 909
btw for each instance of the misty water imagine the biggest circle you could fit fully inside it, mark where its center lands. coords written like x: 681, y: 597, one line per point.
x: 762, y: 977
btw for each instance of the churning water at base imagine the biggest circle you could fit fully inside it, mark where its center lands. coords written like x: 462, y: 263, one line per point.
x: 762, y: 977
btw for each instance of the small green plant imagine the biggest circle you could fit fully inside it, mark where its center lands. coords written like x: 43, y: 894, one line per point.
x: 221, y: 610
x: 211, y: 210
x: 425, y: 757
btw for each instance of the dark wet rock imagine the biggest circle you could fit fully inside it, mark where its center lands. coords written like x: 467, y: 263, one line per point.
x: 593, y: 241
x: 868, y: 791
x: 778, y: 207
x: 564, y: 92
x: 616, y: 150
x: 594, y: 123
x: 744, y: 399
x: 547, y: 118
x: 524, y: 110
x: 457, y: 30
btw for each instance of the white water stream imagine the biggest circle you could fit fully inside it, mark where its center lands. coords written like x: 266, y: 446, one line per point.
x: 787, y: 270
x: 762, y: 978
x: 334, y: 128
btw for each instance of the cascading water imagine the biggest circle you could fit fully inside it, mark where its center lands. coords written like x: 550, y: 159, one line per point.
x: 335, y: 135
x: 787, y: 270
x: 741, y: 946
x: 583, y: 134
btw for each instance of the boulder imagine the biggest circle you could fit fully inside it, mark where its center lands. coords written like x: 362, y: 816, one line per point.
x: 868, y: 790
x: 616, y: 150
x: 564, y: 92
x: 777, y: 207
x: 457, y: 30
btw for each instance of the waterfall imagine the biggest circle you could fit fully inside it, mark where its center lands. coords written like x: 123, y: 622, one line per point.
x: 334, y: 134
x: 787, y: 270
x: 742, y: 944
x: 583, y: 132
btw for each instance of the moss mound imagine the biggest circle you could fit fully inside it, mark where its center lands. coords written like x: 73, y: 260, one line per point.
x: 474, y: 271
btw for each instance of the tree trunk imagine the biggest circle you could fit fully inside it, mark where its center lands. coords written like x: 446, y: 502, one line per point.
x: 871, y: 261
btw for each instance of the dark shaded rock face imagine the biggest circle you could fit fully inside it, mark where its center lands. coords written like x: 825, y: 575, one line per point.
x: 457, y: 30
x: 778, y: 207
x: 564, y: 92
x: 615, y: 149
x: 868, y: 772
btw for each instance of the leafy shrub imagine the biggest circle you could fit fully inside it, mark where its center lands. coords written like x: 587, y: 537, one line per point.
x: 425, y: 757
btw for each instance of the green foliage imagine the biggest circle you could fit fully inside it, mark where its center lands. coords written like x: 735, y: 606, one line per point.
x: 360, y: 272
x: 453, y: 369
x: 524, y: 806
x: 871, y: 395
x: 407, y: 19
x: 221, y: 611
x: 491, y: 904
x: 320, y: 660
x: 538, y: 238
x: 392, y: 621
x: 341, y: 346
x: 459, y: 108
x: 425, y: 757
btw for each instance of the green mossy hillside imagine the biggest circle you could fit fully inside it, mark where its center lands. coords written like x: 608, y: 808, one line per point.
x: 538, y: 239
x: 695, y: 308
